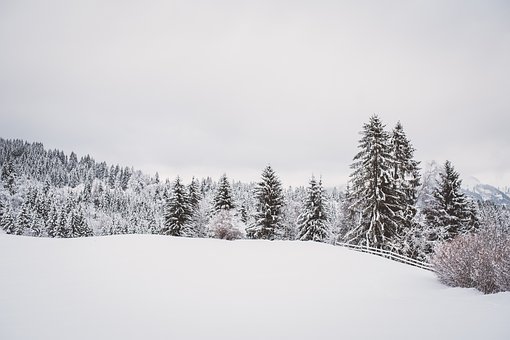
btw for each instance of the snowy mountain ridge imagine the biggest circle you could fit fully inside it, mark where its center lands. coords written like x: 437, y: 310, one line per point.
x: 471, y: 185
x: 479, y: 191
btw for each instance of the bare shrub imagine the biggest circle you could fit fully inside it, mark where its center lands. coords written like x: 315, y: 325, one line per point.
x: 480, y: 261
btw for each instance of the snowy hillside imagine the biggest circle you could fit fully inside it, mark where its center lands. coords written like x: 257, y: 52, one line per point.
x: 158, y: 287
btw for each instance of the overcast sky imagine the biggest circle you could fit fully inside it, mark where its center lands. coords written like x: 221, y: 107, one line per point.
x: 206, y: 87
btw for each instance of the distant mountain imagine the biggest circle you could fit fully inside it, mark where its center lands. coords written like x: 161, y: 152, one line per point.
x: 484, y: 192
x: 471, y: 186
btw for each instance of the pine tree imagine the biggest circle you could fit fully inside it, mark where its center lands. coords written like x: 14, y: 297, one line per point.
x: 313, y: 221
x: 194, y: 194
x: 52, y: 222
x: 78, y: 225
x: 25, y: 219
x: 269, y: 204
x: 87, y: 191
x: 62, y: 229
x: 406, y: 171
x: 450, y: 212
x: 8, y: 224
x: 406, y: 180
x: 8, y: 175
x: 375, y: 201
x: 177, y: 211
x: 197, y: 223
x: 243, y: 214
x: 223, y: 199
x: 36, y: 227
x: 2, y: 210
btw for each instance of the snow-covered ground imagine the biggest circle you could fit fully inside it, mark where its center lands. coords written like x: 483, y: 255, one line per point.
x: 159, y: 287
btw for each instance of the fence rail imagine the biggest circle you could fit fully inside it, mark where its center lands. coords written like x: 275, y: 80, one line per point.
x: 388, y: 254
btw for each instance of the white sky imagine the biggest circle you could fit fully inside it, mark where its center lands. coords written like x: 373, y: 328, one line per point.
x: 206, y: 87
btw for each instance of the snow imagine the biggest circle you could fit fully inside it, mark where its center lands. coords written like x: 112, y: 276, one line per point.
x: 161, y: 287
x: 470, y: 182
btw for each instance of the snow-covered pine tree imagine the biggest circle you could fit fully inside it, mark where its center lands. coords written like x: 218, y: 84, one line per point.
x: 52, y: 223
x: 406, y: 180
x: 8, y: 223
x: 406, y: 171
x: 194, y: 194
x: 177, y: 211
x: 450, y: 213
x: 87, y: 191
x: 223, y: 199
x: 243, y: 213
x: 293, y: 200
x: 2, y: 210
x: 8, y: 175
x: 78, y: 225
x: 374, y: 200
x: 196, y: 223
x: 62, y: 229
x: 25, y: 219
x: 313, y: 221
x: 36, y: 228
x: 269, y: 204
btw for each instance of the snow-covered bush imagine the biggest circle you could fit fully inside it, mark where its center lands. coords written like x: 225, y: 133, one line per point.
x: 224, y: 225
x: 480, y: 261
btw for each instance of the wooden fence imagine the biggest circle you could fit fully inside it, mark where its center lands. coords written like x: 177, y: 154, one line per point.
x: 389, y: 255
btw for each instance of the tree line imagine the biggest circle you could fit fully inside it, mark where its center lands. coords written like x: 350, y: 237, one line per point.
x: 387, y: 204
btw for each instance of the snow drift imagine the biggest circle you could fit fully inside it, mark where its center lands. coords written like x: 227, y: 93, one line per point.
x: 158, y: 287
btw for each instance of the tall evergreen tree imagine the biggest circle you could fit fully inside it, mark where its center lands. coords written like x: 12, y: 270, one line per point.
x: 450, y: 212
x: 269, y: 204
x: 177, y: 211
x: 52, y: 222
x: 62, y: 229
x: 243, y: 213
x: 8, y: 223
x: 194, y: 194
x: 375, y: 200
x: 196, y: 223
x: 223, y: 199
x: 313, y: 221
x: 8, y: 175
x: 2, y: 209
x: 36, y: 227
x: 406, y: 180
x: 25, y: 218
x: 406, y: 171
x: 78, y: 225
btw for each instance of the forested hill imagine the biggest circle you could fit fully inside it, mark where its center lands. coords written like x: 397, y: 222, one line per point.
x: 56, y: 190
x: 33, y: 161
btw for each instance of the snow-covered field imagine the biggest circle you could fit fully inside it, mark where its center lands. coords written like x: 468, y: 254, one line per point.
x: 160, y: 287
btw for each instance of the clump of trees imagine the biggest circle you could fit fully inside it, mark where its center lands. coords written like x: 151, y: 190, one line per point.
x: 381, y: 207
x: 382, y: 189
